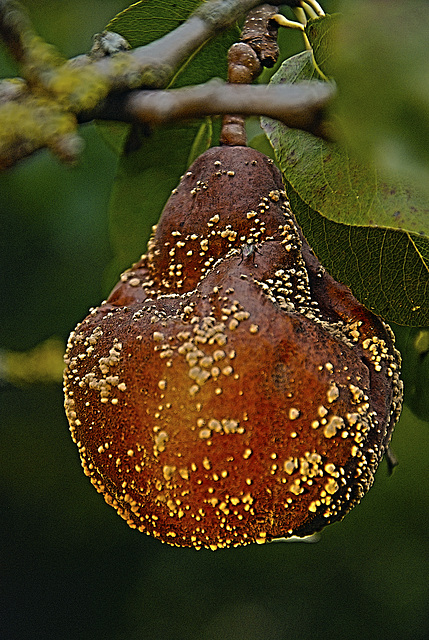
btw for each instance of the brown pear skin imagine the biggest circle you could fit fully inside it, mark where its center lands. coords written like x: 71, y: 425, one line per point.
x: 229, y: 390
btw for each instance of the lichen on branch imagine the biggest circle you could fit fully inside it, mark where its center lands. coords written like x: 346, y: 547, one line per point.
x: 55, y: 94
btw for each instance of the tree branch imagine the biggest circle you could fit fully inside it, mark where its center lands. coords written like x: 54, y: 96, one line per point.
x: 298, y: 106
x: 14, y: 23
x: 150, y: 66
x: 59, y: 93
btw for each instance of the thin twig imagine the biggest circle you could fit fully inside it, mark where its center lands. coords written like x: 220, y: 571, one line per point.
x: 297, y: 106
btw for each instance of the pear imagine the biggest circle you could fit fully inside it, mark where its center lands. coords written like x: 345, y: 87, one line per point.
x: 229, y: 390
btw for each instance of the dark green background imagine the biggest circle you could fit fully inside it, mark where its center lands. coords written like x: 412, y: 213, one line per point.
x: 69, y: 567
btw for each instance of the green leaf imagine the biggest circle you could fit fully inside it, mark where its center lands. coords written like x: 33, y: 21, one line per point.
x: 202, y: 140
x: 330, y: 180
x: 261, y: 143
x: 370, y: 233
x: 149, y: 20
x: 387, y: 269
x: 381, y: 67
x: 320, y: 33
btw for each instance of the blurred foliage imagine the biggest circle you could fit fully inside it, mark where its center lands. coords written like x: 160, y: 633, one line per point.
x: 70, y: 568
x: 383, y: 105
x: 42, y: 364
x: 413, y: 342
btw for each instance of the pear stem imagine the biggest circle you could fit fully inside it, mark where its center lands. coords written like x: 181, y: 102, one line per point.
x: 257, y: 49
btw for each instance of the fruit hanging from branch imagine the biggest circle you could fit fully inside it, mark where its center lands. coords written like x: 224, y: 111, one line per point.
x: 229, y: 390
x: 222, y: 396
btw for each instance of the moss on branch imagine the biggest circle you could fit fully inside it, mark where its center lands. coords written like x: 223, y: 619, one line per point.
x: 55, y: 93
